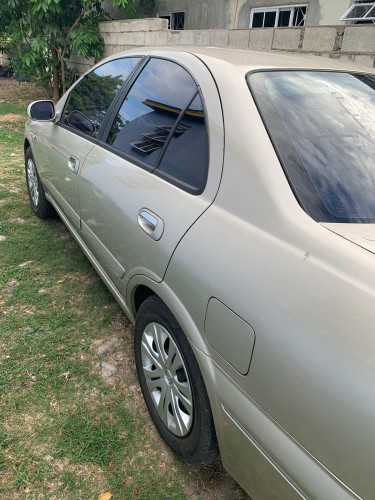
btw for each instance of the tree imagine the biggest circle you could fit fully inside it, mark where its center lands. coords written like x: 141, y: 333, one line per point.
x: 44, y: 33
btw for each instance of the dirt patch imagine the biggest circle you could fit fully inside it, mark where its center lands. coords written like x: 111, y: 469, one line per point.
x: 6, y: 87
x: 211, y: 482
x: 20, y: 93
x: 11, y: 118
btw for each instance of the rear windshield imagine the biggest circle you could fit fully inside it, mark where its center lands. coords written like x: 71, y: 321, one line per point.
x: 322, y: 125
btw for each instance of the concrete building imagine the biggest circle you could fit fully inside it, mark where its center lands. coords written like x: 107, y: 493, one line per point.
x: 242, y: 14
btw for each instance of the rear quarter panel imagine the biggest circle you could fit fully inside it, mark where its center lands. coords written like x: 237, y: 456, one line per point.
x: 307, y: 293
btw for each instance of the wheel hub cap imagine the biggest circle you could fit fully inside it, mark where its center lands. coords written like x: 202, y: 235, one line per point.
x: 32, y: 181
x: 167, y: 379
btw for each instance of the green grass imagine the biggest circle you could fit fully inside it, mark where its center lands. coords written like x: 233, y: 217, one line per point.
x: 10, y: 138
x: 65, y: 432
x: 11, y: 108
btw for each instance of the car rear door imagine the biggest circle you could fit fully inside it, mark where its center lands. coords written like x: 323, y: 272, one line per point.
x: 156, y: 168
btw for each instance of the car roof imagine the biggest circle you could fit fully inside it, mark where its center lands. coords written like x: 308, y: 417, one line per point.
x: 243, y: 60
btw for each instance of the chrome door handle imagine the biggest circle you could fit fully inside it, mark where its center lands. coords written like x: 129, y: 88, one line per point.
x: 148, y: 219
x: 151, y: 224
x: 73, y: 164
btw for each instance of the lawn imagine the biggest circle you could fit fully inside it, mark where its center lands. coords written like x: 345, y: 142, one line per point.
x: 72, y: 419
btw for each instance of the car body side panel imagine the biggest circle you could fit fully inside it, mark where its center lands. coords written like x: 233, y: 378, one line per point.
x: 289, y: 472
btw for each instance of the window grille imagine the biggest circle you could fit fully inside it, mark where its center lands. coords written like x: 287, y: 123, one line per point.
x: 277, y: 17
x: 363, y: 12
x: 176, y: 20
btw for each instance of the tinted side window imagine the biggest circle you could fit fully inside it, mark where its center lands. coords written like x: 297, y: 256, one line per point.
x: 150, y: 111
x: 185, y: 159
x: 96, y: 91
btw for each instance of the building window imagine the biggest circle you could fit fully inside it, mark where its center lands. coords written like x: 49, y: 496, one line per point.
x: 176, y: 20
x: 360, y: 12
x: 277, y: 17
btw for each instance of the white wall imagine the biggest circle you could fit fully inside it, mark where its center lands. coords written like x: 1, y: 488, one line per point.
x: 332, y: 10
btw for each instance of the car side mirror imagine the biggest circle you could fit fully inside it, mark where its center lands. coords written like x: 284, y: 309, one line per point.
x: 79, y: 121
x: 43, y: 111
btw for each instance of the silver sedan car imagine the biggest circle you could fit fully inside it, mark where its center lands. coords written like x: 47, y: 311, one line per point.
x: 227, y: 200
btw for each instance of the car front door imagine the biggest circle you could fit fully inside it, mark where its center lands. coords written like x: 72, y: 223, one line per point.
x: 155, y: 170
x: 61, y: 148
x: 59, y: 154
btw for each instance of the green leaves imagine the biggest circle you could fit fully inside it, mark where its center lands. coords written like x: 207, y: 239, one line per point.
x: 127, y: 5
x: 47, y: 6
x: 44, y: 33
x: 86, y: 41
x: 38, y: 44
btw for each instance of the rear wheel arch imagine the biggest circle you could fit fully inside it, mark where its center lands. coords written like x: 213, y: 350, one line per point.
x: 139, y: 295
x: 26, y: 145
x: 140, y: 288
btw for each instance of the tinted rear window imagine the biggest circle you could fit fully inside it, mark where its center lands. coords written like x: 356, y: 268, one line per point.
x: 322, y: 125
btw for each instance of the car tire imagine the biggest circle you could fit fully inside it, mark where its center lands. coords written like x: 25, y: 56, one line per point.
x: 172, y: 384
x: 38, y: 201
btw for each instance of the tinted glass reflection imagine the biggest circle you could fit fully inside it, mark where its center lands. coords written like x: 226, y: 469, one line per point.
x: 323, y: 127
x: 95, y: 93
x: 150, y: 110
x: 185, y: 159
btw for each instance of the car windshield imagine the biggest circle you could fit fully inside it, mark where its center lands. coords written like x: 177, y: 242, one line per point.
x: 322, y: 125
